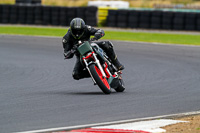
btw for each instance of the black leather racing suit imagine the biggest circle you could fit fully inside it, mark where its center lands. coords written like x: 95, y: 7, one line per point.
x: 69, y: 41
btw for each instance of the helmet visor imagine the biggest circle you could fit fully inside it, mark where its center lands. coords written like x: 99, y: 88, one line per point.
x: 77, y: 32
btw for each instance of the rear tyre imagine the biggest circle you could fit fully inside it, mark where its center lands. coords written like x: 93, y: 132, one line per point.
x: 121, y: 86
x: 100, y: 80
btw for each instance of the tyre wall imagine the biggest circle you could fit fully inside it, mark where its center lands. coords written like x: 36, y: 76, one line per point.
x: 46, y: 15
x: 153, y: 19
x: 28, y: 1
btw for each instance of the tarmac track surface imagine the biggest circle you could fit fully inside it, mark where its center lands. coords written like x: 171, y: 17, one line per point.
x: 38, y: 92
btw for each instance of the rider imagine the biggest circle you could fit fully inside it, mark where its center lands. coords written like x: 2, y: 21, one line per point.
x: 79, y: 31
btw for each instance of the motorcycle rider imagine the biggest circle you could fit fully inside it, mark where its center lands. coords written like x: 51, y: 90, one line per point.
x: 79, y: 31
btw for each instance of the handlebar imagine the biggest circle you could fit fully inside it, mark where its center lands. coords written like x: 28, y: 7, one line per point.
x: 74, y: 48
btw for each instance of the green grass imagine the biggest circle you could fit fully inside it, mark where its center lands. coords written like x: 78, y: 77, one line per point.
x: 155, y: 37
x: 111, y: 35
x: 35, y: 31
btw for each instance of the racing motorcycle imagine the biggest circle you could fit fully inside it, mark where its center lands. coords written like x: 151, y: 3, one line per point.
x: 102, y: 71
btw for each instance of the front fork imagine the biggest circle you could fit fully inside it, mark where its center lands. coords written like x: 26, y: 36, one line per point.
x: 89, y: 71
x: 98, y: 64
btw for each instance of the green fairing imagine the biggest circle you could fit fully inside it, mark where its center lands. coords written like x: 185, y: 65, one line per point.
x: 85, y: 48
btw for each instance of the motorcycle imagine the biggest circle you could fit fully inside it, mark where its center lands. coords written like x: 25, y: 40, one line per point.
x: 102, y: 71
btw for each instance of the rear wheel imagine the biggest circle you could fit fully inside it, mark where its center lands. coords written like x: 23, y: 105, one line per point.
x: 100, y: 80
x: 121, y: 86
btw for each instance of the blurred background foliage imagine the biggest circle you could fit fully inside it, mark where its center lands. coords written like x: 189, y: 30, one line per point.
x: 133, y: 3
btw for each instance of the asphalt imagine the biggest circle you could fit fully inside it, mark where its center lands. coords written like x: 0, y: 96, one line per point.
x: 38, y: 92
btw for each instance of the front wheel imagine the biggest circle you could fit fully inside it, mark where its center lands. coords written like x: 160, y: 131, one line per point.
x: 100, y: 80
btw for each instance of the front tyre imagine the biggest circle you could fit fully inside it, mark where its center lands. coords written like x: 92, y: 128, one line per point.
x: 100, y: 80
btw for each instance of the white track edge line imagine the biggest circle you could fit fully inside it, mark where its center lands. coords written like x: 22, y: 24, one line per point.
x: 114, y: 122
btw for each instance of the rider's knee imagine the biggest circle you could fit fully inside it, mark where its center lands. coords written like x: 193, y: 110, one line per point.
x: 79, y: 75
x: 76, y: 75
x: 108, y: 44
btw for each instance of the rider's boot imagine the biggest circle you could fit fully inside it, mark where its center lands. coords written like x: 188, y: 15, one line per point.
x: 111, y: 54
x: 118, y: 65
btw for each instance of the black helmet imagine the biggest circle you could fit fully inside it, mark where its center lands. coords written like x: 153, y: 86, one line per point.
x: 77, y: 26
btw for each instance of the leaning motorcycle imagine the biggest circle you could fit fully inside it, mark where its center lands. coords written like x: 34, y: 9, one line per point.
x: 102, y: 71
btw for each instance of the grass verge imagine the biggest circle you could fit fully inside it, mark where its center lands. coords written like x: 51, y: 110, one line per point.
x: 186, y: 39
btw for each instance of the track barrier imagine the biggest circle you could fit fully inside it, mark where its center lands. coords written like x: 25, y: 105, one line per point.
x: 154, y: 19
x: 37, y: 14
x: 46, y: 15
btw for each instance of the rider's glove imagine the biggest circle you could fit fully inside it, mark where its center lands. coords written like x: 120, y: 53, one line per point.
x: 68, y: 54
x: 97, y: 36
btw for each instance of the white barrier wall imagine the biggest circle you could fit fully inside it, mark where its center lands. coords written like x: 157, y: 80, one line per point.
x: 113, y: 4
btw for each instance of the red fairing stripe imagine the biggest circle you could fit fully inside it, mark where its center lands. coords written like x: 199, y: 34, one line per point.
x: 105, y: 69
x: 89, y: 55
